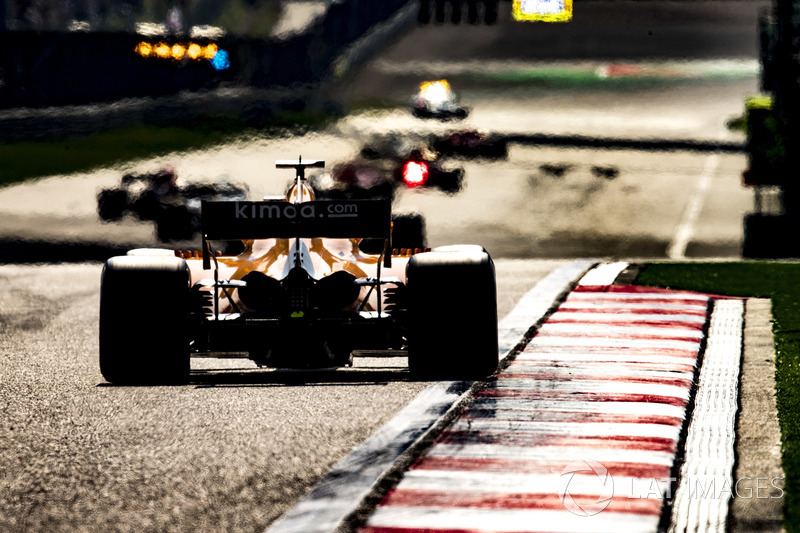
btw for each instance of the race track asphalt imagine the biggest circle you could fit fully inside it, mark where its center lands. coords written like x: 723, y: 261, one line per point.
x: 230, y: 452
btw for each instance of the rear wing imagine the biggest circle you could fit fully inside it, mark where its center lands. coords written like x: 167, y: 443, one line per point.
x: 284, y: 220
x: 299, y: 165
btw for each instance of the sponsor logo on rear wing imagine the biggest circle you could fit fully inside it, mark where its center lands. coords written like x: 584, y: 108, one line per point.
x: 281, y: 219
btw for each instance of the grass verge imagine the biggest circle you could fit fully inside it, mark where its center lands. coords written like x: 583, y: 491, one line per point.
x: 22, y: 160
x: 28, y: 159
x: 779, y: 282
x: 636, y: 77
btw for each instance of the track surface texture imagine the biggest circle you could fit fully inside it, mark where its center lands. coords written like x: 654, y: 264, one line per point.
x: 230, y: 452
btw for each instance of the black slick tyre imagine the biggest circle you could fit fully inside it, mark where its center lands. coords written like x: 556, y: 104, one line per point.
x: 408, y: 231
x: 111, y: 204
x: 143, y: 320
x: 146, y: 206
x: 452, y: 314
x: 174, y: 223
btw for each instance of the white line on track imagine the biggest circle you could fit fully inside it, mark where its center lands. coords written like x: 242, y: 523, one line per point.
x: 685, y: 230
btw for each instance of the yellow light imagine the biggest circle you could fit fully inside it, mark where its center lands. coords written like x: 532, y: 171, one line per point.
x: 178, y: 51
x: 210, y: 51
x: 162, y: 50
x: 435, y: 90
x: 194, y: 51
x: 542, y: 10
x: 441, y: 85
x: 144, y: 49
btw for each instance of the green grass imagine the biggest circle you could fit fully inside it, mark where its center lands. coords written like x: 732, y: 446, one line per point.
x: 29, y: 159
x: 22, y: 160
x: 566, y: 79
x: 562, y: 77
x: 781, y: 283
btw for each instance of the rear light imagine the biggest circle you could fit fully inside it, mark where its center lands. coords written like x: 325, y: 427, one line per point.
x: 415, y: 173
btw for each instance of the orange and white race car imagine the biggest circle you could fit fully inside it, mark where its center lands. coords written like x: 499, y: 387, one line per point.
x: 315, y: 281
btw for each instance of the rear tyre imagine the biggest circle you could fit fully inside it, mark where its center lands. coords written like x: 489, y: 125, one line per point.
x: 143, y: 320
x: 174, y: 223
x: 111, y: 204
x: 146, y: 206
x: 452, y: 314
x: 449, y: 181
x: 408, y: 231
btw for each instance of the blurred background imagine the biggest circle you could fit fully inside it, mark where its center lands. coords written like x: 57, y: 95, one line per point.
x: 637, y: 129
x: 620, y: 132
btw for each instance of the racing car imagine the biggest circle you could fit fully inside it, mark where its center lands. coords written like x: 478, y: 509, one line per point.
x: 435, y: 99
x: 383, y: 166
x: 376, y: 176
x: 316, y: 281
x: 471, y: 144
x: 158, y: 196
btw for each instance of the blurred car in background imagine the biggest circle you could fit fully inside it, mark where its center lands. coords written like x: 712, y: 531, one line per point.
x: 470, y: 144
x: 383, y: 166
x: 435, y: 99
x: 158, y: 197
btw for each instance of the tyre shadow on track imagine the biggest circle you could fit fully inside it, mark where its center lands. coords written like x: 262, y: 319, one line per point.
x: 301, y: 378
x: 207, y: 379
x: 366, y: 372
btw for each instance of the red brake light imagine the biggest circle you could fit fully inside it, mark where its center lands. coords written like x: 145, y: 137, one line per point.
x: 415, y: 173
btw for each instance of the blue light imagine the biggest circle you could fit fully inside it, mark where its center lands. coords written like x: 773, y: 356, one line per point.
x: 221, y: 60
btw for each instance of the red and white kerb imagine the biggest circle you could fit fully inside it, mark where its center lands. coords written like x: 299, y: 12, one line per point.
x: 578, y: 433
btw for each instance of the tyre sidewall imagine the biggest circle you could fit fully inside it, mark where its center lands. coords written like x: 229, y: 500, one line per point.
x: 452, y: 314
x: 143, y: 320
